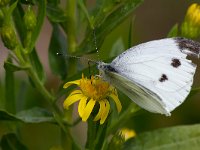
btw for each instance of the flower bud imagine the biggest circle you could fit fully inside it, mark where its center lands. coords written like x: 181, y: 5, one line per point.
x: 4, y: 3
x: 191, y: 26
x: 30, y: 19
x: 9, y: 37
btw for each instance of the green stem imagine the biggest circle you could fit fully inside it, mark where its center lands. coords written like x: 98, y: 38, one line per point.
x: 48, y: 96
x: 71, y: 34
x: 40, y: 87
x: 71, y: 25
x: 51, y: 99
x: 132, y: 109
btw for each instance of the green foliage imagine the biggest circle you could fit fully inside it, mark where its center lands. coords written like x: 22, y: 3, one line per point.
x: 36, y: 115
x: 173, y: 32
x: 58, y: 63
x: 180, y: 137
x: 106, y: 21
x: 10, y: 89
x: 6, y: 116
x: 10, y: 141
x: 55, y: 13
x: 33, y: 115
x: 78, y: 29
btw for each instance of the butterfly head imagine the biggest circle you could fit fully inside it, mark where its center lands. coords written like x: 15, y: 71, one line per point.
x: 105, y: 67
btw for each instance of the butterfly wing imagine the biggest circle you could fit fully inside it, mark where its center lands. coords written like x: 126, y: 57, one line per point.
x: 137, y: 93
x: 159, y: 68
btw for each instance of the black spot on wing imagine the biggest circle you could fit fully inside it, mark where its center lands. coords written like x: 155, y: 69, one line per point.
x: 175, y: 62
x: 192, y: 46
x: 163, y: 78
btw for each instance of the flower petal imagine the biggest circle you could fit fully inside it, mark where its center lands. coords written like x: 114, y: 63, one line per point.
x: 101, y: 110
x: 75, y: 92
x: 72, y: 99
x: 66, y: 85
x: 88, y: 109
x: 81, y: 105
x: 105, y: 113
x: 117, y: 102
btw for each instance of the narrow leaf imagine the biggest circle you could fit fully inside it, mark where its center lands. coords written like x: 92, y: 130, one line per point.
x: 12, y: 67
x: 176, y: 138
x: 84, y: 10
x: 173, y: 32
x: 58, y: 45
x: 11, y: 142
x: 35, y: 115
x: 109, y: 23
x: 6, y: 116
x: 40, y: 19
x: 35, y: 61
x: 130, y: 36
x: 19, y: 23
x: 18, y: 15
x: 55, y: 14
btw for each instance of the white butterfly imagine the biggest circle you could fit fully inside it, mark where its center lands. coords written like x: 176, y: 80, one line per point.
x: 155, y: 75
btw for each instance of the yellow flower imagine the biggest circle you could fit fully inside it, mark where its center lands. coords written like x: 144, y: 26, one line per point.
x: 190, y: 28
x: 127, y: 133
x: 193, y: 14
x: 91, y: 92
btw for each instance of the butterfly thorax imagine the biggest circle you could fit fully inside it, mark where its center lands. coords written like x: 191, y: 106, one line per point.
x: 105, y: 67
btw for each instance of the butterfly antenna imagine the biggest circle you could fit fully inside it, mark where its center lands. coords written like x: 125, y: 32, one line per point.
x: 76, y: 57
x: 95, y: 44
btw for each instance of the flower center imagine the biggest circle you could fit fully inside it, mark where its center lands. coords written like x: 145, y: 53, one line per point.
x: 94, y: 88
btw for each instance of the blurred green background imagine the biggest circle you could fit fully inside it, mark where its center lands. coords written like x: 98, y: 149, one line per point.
x: 151, y: 20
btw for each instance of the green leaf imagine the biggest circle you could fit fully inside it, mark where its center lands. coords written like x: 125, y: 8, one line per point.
x: 35, y: 115
x: 19, y: 24
x: 130, y: 36
x: 85, y: 12
x: 117, y: 48
x: 6, y: 116
x: 102, y: 29
x: 58, y: 45
x: 55, y: 14
x: 174, y: 138
x: 104, y: 8
x: 10, y: 89
x: 40, y: 19
x: 12, y: 67
x: 173, y: 32
x: 11, y: 142
x: 12, y: 7
x: 18, y: 15
x: 35, y: 61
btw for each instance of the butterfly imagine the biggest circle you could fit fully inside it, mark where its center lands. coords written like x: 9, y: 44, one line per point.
x: 155, y: 75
